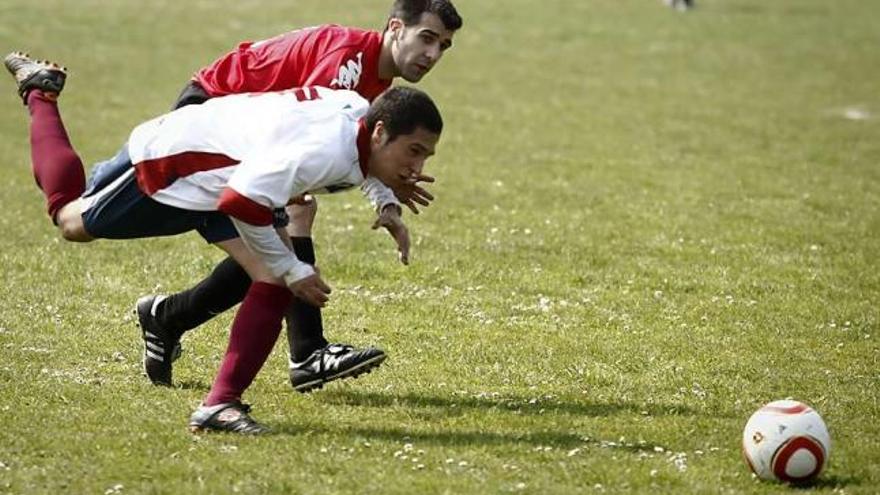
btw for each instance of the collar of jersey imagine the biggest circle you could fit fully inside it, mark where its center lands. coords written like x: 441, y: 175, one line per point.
x: 363, y: 146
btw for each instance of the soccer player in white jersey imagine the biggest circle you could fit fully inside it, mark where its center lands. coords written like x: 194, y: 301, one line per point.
x: 223, y: 169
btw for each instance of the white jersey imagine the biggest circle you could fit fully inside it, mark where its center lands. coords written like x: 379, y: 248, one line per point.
x: 268, y: 147
x: 246, y: 155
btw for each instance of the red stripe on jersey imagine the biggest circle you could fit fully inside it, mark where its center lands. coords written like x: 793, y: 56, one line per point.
x: 796, y: 409
x: 363, y: 146
x: 243, y: 208
x: 159, y: 173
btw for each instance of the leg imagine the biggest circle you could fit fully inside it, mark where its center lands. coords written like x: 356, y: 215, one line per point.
x: 225, y: 287
x: 305, y: 328
x: 57, y: 168
x: 254, y: 332
x: 173, y: 315
x: 313, y: 360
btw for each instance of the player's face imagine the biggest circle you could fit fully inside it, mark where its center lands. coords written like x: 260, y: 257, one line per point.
x: 417, y: 47
x: 395, y: 162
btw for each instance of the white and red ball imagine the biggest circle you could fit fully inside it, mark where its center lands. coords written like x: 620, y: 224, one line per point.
x: 787, y: 441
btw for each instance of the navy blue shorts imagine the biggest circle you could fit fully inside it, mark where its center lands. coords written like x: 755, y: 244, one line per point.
x: 114, y: 207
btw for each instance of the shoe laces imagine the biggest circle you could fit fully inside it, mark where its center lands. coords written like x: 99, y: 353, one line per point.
x: 336, y: 349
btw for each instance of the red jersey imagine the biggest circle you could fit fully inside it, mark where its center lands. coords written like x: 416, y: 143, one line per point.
x: 330, y: 56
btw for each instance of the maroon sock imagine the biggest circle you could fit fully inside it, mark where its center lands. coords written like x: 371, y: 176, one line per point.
x: 57, y: 168
x: 254, y: 332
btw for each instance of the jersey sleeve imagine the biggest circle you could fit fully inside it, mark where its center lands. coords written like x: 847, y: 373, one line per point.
x: 378, y: 193
x: 264, y: 242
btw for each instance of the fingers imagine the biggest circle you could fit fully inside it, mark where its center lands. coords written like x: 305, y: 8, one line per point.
x: 312, y: 290
x: 413, y: 179
x: 410, y: 196
x: 325, y: 289
x: 403, y: 248
x: 316, y: 298
x: 312, y: 296
x: 422, y: 201
x: 412, y: 207
x: 424, y: 193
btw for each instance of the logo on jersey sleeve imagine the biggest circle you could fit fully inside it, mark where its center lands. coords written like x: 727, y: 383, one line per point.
x: 349, y: 73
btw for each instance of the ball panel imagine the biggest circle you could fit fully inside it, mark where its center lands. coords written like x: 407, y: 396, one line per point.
x: 799, y: 459
x: 786, y: 407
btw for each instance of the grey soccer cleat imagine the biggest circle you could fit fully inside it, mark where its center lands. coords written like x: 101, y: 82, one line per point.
x: 228, y: 417
x: 33, y: 74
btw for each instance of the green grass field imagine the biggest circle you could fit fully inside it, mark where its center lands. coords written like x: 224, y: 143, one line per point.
x: 648, y: 224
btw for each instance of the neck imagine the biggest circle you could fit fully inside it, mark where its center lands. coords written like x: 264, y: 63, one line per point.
x: 387, y: 69
x: 363, y: 147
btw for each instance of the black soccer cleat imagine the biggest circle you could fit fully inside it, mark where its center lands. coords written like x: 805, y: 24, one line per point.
x: 32, y: 74
x: 333, y: 362
x: 230, y: 417
x: 161, y: 348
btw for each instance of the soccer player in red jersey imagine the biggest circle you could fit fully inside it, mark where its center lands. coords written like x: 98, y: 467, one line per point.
x: 416, y: 35
x: 222, y: 169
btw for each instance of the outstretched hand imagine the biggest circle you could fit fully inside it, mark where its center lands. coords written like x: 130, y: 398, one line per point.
x: 312, y: 290
x: 411, y: 193
x: 390, y: 218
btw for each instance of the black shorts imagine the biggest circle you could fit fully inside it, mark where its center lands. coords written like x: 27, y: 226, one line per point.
x: 114, y: 207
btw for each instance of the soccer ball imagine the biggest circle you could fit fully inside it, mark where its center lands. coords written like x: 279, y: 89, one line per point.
x: 786, y: 441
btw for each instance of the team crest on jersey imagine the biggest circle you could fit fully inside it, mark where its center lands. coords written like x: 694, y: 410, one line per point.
x: 350, y: 73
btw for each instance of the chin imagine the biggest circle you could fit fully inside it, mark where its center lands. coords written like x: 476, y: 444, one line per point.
x: 414, y: 78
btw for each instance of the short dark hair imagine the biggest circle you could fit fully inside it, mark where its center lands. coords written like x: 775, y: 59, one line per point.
x: 404, y: 109
x: 410, y: 12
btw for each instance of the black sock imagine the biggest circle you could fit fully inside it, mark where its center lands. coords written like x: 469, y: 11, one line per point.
x: 225, y: 287
x: 305, y: 329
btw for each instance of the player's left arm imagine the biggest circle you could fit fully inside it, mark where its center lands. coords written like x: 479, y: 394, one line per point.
x: 388, y: 214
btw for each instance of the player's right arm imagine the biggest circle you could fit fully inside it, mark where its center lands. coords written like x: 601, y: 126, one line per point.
x: 262, y: 239
x: 267, y: 181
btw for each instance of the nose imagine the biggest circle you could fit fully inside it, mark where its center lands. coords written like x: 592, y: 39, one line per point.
x: 418, y: 166
x: 433, y: 52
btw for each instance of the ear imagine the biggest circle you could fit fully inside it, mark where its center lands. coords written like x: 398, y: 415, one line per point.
x: 395, y: 25
x: 378, y: 137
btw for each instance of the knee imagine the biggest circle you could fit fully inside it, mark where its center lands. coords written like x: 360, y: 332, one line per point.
x: 303, y: 212
x: 302, y: 216
x: 72, y: 232
x: 70, y: 224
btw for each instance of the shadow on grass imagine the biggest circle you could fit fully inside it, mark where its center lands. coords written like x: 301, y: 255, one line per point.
x: 457, y: 403
x: 829, y: 482
x: 193, y: 385
x: 464, y: 438
x: 519, y: 405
